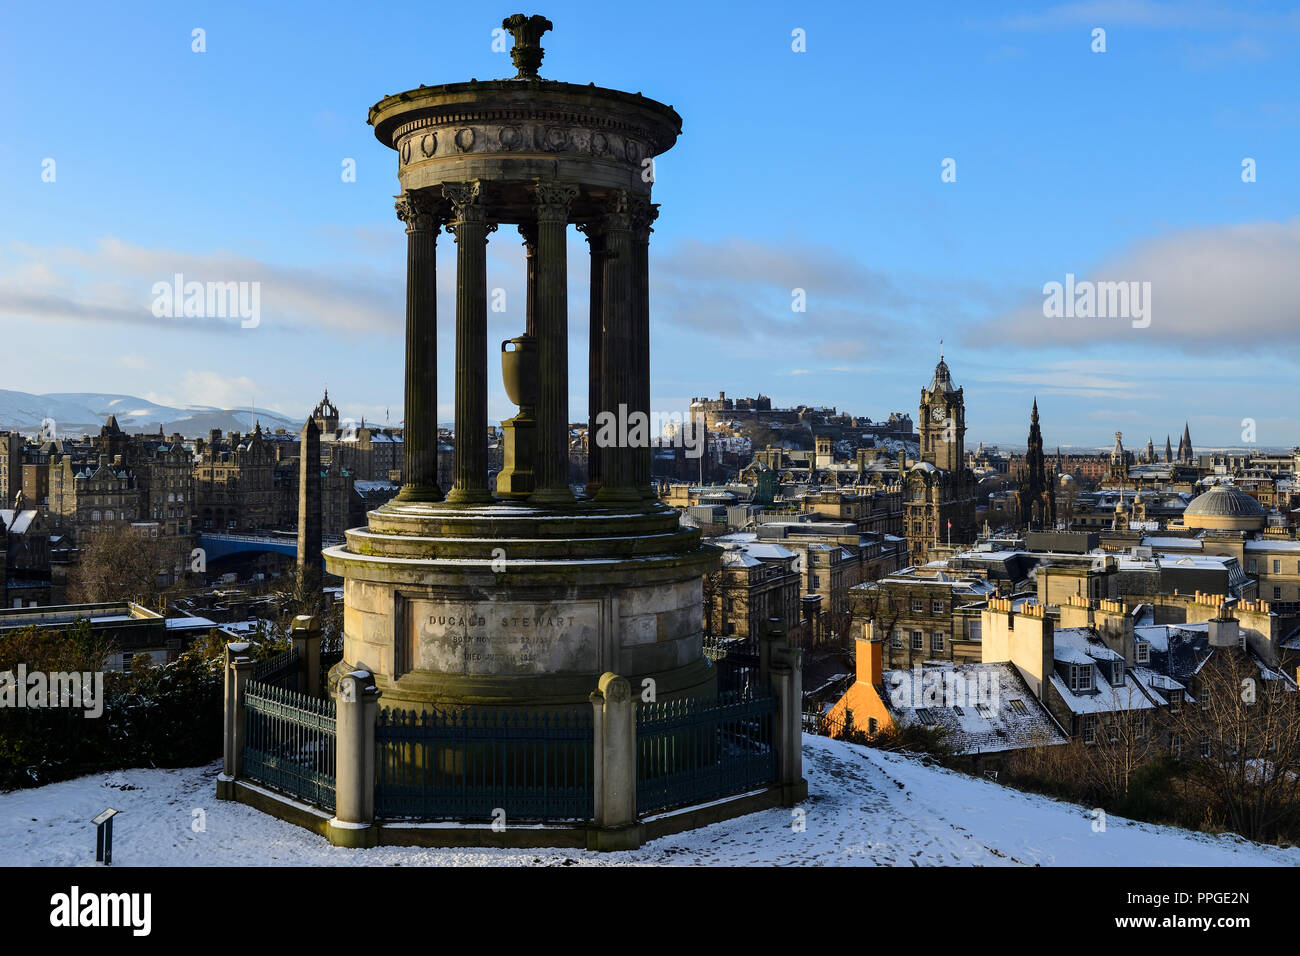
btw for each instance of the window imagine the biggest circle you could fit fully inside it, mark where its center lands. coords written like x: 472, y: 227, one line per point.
x: 983, y: 710
x: 1277, y: 567
x: 916, y: 605
x: 1250, y: 566
x: 973, y: 631
x: 1080, y: 677
x: 1176, y: 745
x: 1116, y: 673
x: 1277, y: 594
x: 1205, y: 745
x: 871, y: 725
x: 918, y: 641
x: 936, y: 607
x: 936, y: 641
x: 1088, y: 729
x: 1175, y: 701
x: 1018, y: 707
x: 1143, y: 652
x: 924, y: 716
x: 896, y: 639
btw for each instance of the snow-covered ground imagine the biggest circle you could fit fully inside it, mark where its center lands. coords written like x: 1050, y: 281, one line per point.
x: 865, y: 807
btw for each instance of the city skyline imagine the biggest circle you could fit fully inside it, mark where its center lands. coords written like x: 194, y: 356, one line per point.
x: 785, y: 188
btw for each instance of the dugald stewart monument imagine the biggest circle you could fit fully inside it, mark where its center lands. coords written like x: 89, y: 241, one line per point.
x: 520, y: 593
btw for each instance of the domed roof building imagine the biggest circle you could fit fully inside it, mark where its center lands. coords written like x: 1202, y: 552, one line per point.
x: 1225, y: 508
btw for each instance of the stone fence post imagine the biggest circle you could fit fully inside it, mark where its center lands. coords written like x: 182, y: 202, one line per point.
x: 787, y: 735
x: 614, y: 766
x: 305, y: 634
x: 354, y: 766
x: 238, y: 671
x: 773, y: 636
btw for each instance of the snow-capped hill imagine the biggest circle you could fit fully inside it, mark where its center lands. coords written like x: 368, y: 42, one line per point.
x: 77, y: 413
x: 864, y: 807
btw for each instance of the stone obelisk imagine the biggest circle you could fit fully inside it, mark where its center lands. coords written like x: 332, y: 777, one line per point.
x: 309, y: 509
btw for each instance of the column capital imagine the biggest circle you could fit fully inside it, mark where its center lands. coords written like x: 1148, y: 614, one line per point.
x: 644, y: 213
x: 466, y: 198
x: 618, y: 212
x: 467, y: 206
x: 420, y: 212
x: 594, y: 231
x: 528, y: 231
x: 553, y: 201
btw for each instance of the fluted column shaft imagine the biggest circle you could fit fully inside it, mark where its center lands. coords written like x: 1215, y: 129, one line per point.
x: 470, y: 226
x: 618, y: 363
x: 596, y: 240
x: 421, y: 214
x: 643, y: 214
x: 528, y: 231
x: 551, y: 321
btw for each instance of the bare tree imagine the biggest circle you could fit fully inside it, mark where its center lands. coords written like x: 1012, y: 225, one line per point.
x: 1123, y: 741
x: 120, y: 564
x: 1241, y: 739
x: 875, y: 605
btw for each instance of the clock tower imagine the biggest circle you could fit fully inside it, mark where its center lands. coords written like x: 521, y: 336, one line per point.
x: 939, y: 495
x: 942, y: 424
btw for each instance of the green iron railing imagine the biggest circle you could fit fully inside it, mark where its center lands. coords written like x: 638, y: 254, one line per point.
x: 278, y: 670
x: 694, y: 750
x: 289, y: 742
x: 447, y: 765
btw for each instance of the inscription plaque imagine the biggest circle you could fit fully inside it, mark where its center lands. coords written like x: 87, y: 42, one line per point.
x: 505, y: 637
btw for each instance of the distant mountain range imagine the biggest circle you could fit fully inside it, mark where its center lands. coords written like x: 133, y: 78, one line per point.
x: 76, y: 413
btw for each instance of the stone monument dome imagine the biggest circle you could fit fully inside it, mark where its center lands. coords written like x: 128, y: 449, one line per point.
x: 1225, y: 507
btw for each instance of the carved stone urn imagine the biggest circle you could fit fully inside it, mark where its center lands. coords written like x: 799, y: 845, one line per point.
x: 519, y: 370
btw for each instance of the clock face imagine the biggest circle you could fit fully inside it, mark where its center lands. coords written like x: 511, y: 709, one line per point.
x: 938, y: 413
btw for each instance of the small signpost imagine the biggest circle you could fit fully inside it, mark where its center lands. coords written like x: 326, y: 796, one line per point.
x: 104, y: 836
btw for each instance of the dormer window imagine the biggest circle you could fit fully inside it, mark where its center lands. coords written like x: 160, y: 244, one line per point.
x: 1080, y: 677
x: 1116, y: 673
x: 1143, y: 651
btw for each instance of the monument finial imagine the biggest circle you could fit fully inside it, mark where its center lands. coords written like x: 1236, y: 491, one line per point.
x: 527, y: 52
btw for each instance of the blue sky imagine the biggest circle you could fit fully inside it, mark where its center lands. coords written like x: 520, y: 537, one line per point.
x: 818, y: 170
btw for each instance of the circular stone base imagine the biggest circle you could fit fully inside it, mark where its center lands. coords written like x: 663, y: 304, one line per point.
x: 509, y: 605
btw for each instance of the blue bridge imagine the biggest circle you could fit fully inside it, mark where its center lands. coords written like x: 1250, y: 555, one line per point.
x: 219, y: 544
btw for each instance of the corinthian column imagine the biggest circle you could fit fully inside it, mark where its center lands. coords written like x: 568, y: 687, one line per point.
x: 551, y: 321
x: 528, y: 231
x: 594, y: 231
x: 420, y: 431
x: 618, y: 362
x: 644, y: 213
x: 470, y: 227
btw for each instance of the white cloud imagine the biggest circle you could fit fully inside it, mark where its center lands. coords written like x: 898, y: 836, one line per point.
x: 113, y: 281
x: 1215, y: 291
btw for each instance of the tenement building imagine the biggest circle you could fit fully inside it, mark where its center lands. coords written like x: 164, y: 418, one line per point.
x: 235, y: 482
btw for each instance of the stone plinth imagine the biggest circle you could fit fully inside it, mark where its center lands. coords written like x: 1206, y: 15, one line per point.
x: 513, y: 606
